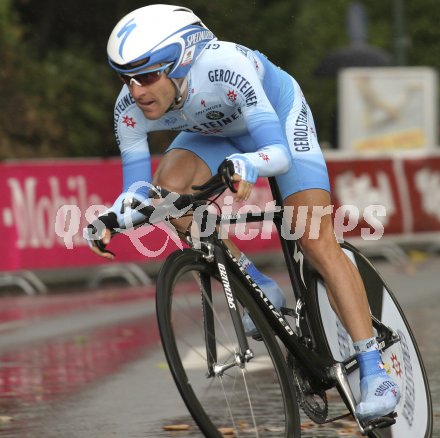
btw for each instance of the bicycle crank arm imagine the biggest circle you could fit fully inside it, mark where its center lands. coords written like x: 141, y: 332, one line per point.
x: 339, y: 374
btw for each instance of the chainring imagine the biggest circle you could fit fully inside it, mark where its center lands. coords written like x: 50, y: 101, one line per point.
x: 313, y: 403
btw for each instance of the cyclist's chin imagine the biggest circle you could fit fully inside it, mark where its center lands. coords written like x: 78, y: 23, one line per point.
x: 153, y: 111
x: 151, y: 114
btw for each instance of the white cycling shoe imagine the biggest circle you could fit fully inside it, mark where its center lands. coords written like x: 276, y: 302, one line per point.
x: 379, y: 396
x: 275, y: 295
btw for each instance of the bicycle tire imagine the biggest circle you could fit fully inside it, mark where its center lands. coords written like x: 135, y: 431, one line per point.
x: 275, y: 410
x: 402, y: 360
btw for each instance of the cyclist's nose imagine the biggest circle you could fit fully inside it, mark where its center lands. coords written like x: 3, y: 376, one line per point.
x: 136, y: 90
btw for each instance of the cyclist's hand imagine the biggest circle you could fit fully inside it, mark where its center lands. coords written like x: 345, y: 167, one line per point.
x: 245, y: 173
x: 98, y: 235
x: 98, y: 246
x: 244, y: 188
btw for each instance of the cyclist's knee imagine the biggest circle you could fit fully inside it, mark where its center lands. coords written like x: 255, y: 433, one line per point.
x: 320, y: 247
x: 311, y: 248
x: 174, y: 183
x: 179, y: 170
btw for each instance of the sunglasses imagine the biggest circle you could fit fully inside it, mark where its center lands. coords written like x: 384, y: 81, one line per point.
x: 147, y: 78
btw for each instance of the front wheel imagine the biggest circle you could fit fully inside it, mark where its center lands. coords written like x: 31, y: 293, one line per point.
x: 402, y: 360
x: 246, y: 399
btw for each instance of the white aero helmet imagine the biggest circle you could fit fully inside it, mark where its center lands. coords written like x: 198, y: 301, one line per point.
x: 157, y: 34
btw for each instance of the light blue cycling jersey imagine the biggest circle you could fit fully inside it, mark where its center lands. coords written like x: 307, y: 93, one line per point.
x: 238, y: 102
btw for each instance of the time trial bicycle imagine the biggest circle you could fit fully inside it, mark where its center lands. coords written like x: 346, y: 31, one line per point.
x: 254, y: 387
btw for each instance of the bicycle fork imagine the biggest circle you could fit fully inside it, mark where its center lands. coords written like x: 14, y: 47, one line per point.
x: 244, y: 354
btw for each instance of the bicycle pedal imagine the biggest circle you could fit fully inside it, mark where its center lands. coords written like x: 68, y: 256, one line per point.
x: 381, y: 422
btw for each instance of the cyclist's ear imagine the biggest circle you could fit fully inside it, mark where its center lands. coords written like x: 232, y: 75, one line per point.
x: 226, y: 171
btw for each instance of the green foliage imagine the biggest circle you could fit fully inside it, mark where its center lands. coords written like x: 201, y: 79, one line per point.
x: 78, y: 94
x: 424, y: 33
x: 57, y: 92
x: 59, y: 106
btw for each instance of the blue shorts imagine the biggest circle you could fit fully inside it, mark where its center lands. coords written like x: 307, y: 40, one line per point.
x: 308, y: 169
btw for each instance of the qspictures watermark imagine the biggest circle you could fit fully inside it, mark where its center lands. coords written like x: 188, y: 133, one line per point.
x: 296, y: 222
x: 307, y: 220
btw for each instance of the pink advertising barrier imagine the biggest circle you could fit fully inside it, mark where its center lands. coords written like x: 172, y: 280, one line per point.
x: 33, y: 192
x: 422, y: 176
x: 407, y: 185
x: 31, y: 223
x: 362, y: 183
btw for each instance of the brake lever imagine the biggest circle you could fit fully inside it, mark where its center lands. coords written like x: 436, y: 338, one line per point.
x: 219, y: 182
x: 226, y: 171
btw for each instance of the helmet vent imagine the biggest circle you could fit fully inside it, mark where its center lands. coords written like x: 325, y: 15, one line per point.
x: 132, y: 65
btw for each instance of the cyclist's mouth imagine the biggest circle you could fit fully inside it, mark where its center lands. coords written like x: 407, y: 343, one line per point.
x: 146, y: 103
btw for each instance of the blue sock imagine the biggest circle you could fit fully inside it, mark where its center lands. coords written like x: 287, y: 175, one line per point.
x: 370, y: 362
x: 256, y: 275
x: 252, y: 270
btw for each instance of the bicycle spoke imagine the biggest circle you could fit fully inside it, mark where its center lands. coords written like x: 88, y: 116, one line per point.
x: 228, y: 405
x: 250, y: 403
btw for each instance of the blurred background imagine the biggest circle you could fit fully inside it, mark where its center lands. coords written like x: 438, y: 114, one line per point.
x: 76, y: 329
x: 57, y: 92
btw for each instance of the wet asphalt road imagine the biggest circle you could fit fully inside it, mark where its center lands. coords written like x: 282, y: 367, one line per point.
x: 90, y: 365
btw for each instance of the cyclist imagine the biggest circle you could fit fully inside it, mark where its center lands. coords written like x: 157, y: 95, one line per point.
x: 230, y: 102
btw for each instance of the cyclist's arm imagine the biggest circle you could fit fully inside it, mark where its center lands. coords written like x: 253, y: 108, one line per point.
x: 136, y: 168
x: 271, y: 156
x: 137, y: 177
x: 131, y: 130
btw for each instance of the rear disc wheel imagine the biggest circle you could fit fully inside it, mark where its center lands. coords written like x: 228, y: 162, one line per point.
x: 402, y: 359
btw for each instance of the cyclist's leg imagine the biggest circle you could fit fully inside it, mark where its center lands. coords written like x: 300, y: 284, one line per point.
x: 346, y: 292
x: 190, y: 160
x: 322, y: 250
x: 306, y: 186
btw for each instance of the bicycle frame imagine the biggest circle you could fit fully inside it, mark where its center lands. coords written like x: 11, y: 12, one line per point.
x: 317, y: 364
x: 322, y: 369
x: 216, y: 250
